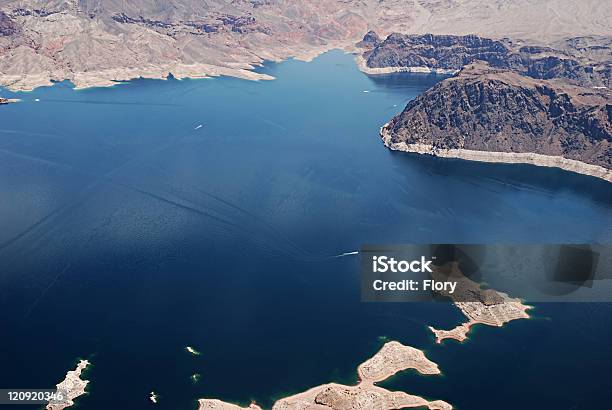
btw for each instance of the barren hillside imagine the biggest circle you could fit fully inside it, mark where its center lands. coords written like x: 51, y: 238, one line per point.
x: 96, y: 42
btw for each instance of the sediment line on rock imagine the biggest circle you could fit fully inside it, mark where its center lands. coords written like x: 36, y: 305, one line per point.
x: 530, y: 158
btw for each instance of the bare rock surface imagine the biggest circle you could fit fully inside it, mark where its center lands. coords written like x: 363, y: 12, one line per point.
x: 507, y: 102
x: 97, y: 43
x: 571, y: 63
x: 214, y: 404
x: 363, y: 396
x: 390, y: 359
x: 492, y: 115
x: 71, y: 387
x: 480, y: 306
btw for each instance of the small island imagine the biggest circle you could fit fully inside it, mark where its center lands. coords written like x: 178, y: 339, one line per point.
x: 192, y: 351
x: 393, y: 357
x: 153, y: 397
x: 71, y: 387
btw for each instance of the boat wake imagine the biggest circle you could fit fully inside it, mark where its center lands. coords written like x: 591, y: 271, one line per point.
x: 345, y: 254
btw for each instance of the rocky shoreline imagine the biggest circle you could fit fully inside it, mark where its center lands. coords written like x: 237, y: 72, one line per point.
x: 112, y: 77
x: 479, y: 313
x: 100, y: 43
x: 393, y: 357
x: 71, y: 387
x: 479, y: 305
x: 506, y: 101
x: 529, y: 158
x: 362, y: 64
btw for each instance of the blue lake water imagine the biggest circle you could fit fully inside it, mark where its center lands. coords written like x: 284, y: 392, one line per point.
x: 128, y: 233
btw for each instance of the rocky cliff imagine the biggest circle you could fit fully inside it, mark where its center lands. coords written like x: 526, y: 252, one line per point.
x: 492, y: 110
x: 507, y: 103
x: 451, y: 53
x: 433, y: 51
x: 7, y: 26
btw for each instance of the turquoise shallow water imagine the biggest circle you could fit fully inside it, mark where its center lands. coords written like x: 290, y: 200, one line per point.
x: 128, y: 234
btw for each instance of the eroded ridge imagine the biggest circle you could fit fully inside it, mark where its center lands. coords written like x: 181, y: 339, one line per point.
x: 97, y: 43
x: 390, y: 359
x: 71, y: 387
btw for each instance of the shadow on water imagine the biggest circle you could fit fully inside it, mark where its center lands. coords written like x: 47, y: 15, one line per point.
x: 403, y: 80
x: 520, y: 177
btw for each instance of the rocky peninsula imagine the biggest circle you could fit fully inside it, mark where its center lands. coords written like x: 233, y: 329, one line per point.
x: 393, y: 357
x: 481, y: 313
x: 480, y: 306
x: 71, y: 387
x: 508, y: 102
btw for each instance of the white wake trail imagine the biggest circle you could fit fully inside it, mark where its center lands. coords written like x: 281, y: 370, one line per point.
x: 346, y: 254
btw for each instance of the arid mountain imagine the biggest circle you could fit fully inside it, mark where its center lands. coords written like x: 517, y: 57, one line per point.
x: 485, y: 109
x: 96, y: 42
x: 544, y: 88
x: 506, y: 102
x: 451, y: 53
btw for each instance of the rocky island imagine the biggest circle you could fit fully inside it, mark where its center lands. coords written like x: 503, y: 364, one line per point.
x: 390, y: 359
x: 71, y: 387
x: 507, y: 102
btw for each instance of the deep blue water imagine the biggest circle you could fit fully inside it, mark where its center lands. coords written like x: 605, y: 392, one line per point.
x: 127, y: 234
